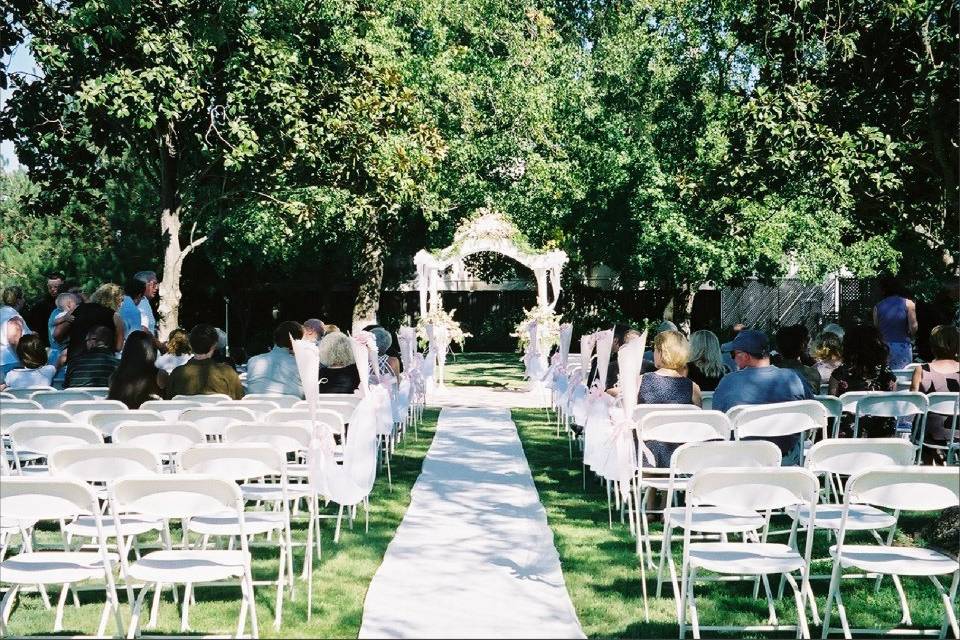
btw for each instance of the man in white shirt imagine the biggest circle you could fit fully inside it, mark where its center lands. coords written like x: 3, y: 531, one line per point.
x: 276, y: 371
x: 151, y: 287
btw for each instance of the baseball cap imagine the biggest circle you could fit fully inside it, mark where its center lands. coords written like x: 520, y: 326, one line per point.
x: 750, y: 341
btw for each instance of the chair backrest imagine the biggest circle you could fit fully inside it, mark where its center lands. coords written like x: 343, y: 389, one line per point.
x: 832, y: 404
x: 899, y: 404
x: 642, y: 410
x: 302, y: 416
x: 694, y: 456
x: 906, y: 487
x: 10, y: 418
x: 26, y: 392
x: 81, y: 409
x: 203, y: 398
x: 46, y: 437
x: 259, y: 407
x: 706, y: 400
x: 161, y: 438
x: 96, y: 392
x: 212, y: 420
x: 46, y: 498
x: 945, y: 403
x: 170, y: 409
x: 680, y: 426
x: 851, y: 398
x: 282, y: 401
x: 342, y: 409
x: 904, y: 378
x: 18, y: 404
x: 848, y: 456
x: 103, y: 462
x: 177, y: 496
x: 7, y: 396
x: 341, y: 397
x: 233, y: 461
x: 754, y: 489
x: 54, y: 399
x: 780, y: 419
x: 107, y: 421
x: 288, y: 438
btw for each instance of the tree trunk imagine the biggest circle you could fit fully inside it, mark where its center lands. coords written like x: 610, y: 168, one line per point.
x: 170, y: 223
x: 680, y: 307
x: 370, y: 275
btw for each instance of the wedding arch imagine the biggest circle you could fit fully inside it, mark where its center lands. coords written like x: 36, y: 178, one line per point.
x: 494, y: 232
x: 488, y: 231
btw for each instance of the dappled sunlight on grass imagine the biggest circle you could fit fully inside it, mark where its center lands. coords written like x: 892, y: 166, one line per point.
x: 498, y: 370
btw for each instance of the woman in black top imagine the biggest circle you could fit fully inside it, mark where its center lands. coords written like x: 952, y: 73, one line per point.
x: 137, y: 379
x: 100, y: 311
x: 338, y: 370
x: 705, y: 367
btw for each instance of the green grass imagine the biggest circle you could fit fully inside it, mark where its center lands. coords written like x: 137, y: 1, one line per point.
x: 497, y: 370
x: 341, y: 577
x: 603, y: 576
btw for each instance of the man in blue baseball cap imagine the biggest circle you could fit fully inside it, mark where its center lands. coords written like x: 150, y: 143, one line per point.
x: 757, y: 382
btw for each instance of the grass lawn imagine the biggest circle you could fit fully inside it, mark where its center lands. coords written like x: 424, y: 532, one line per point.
x: 603, y: 576
x: 341, y: 577
x: 498, y: 370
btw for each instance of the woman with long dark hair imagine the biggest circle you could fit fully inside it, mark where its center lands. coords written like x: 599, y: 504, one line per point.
x: 864, y: 368
x: 137, y: 378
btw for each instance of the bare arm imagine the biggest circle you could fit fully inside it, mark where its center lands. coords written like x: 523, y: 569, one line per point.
x: 697, y: 396
x: 911, y: 318
x: 834, y: 386
x: 61, y: 330
x: 917, y: 377
x: 118, y: 330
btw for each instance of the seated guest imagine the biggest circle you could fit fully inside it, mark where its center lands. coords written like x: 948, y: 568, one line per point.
x: 864, y: 368
x: 276, y: 371
x: 133, y: 320
x: 96, y: 362
x: 387, y: 361
x: 835, y: 329
x: 725, y: 348
x: 12, y: 327
x: 338, y: 369
x: 614, y: 366
x: 178, y: 351
x: 330, y: 328
x: 706, y: 366
x: 757, y: 382
x: 202, y: 374
x: 828, y: 354
x: 667, y: 385
x: 790, y: 341
x: 137, y: 378
x: 665, y: 325
x: 313, y: 330
x: 66, y: 304
x: 940, y: 374
x: 100, y: 311
x: 34, y: 372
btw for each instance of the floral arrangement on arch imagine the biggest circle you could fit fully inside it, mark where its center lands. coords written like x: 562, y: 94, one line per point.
x: 488, y: 224
x: 441, y: 318
x: 548, y: 333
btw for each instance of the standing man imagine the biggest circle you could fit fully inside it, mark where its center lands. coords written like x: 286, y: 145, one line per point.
x: 130, y: 313
x: 40, y: 310
x: 151, y: 286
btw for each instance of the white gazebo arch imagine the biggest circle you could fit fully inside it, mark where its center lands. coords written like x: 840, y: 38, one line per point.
x: 494, y: 232
x: 488, y: 231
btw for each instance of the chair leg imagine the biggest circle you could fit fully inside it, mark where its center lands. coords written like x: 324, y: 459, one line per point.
x: 948, y: 599
x: 771, y: 607
x: 254, y: 626
x: 802, y: 628
x: 280, y: 584
x: 904, y: 605
x: 831, y: 596
x: 694, y: 616
x: 185, y: 613
x: 155, y: 609
x: 6, y: 605
x: 336, y: 533
x: 61, y: 602
x: 134, y: 630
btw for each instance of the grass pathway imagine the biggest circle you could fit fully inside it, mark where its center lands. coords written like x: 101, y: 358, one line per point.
x: 341, y: 576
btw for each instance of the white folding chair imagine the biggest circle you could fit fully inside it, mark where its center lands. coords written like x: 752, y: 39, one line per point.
x: 203, y: 398
x: 185, y: 497
x: 41, y: 438
x: 672, y: 427
x: 943, y: 403
x: 909, y: 488
x: 166, y: 439
x: 170, y: 409
x: 259, y: 407
x: 12, y: 417
x: 341, y: 408
x: 706, y: 400
x: 351, y: 398
x: 850, y: 399
x: 282, y: 401
x: 99, y: 465
x: 896, y: 405
x: 7, y: 396
x: 904, y: 378
x: 691, y: 458
x: 243, y: 462
x: 213, y: 420
x: 98, y: 393
x: 302, y: 416
x: 47, y: 498
x: 747, y: 491
x: 800, y: 418
x: 845, y: 457
x: 834, y: 408
x: 25, y: 393
x: 16, y: 404
x: 107, y: 421
x: 54, y: 399
x: 81, y: 409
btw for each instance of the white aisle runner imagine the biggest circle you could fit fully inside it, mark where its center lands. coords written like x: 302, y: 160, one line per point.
x: 474, y: 556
